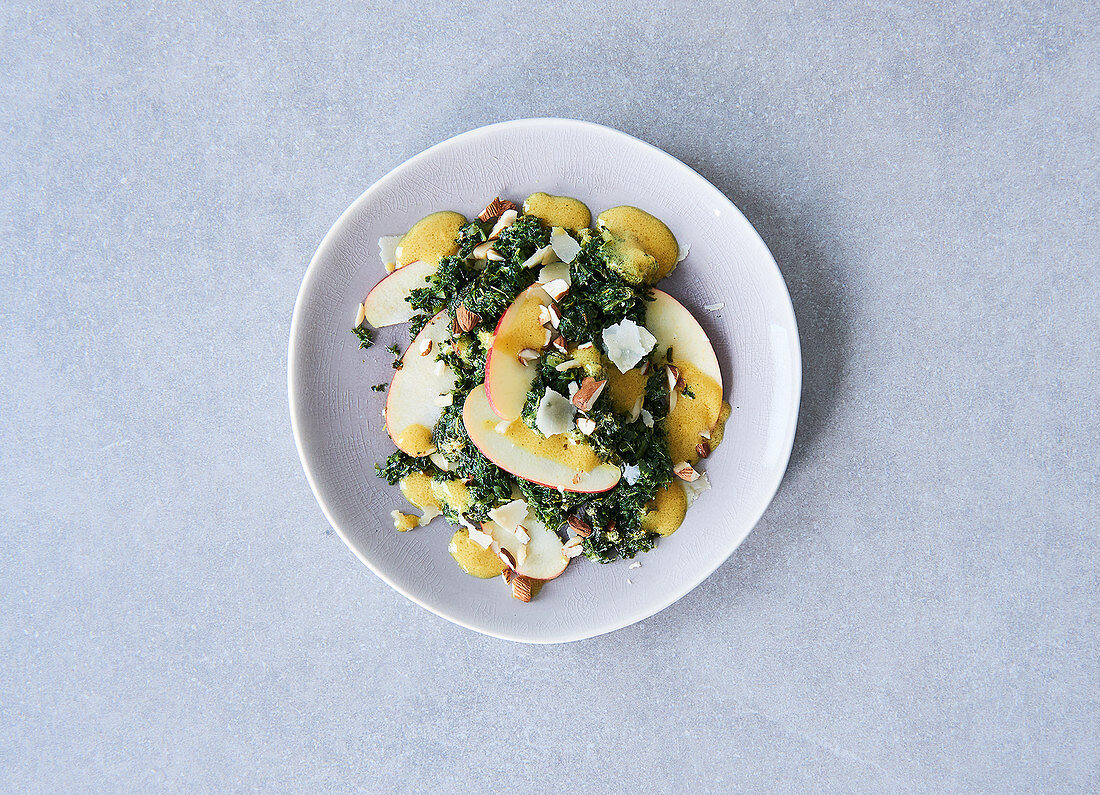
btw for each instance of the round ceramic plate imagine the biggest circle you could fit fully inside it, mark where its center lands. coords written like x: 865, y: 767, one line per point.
x: 729, y: 281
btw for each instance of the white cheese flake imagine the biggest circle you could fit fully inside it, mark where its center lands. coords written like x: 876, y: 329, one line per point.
x: 695, y: 487
x: 556, y: 288
x: 444, y: 400
x: 714, y: 307
x: 683, y: 253
x: 387, y: 248
x: 631, y: 473
x: 558, y: 271
x: 521, y: 532
x: 479, y: 537
x: 537, y: 258
x: 510, y: 514
x: 555, y: 414
x: 627, y: 343
x: 647, y: 418
x: 564, y: 245
x: 635, y: 565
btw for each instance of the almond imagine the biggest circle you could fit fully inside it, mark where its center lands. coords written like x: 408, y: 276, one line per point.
x: 703, y: 449
x: 425, y: 346
x: 576, y: 478
x: 507, y: 218
x: 587, y: 395
x: 586, y: 426
x: 580, y: 527
x: 527, y: 355
x: 685, y: 471
x: 465, y: 319
x: 555, y: 315
x: 673, y: 377
x: 521, y: 588
x: 508, y: 575
x: 493, y: 255
x: 560, y: 343
x: 360, y: 314
x: 507, y: 557
x: 481, y: 251
x: 495, y: 209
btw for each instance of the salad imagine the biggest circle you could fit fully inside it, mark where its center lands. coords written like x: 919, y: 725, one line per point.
x: 552, y: 402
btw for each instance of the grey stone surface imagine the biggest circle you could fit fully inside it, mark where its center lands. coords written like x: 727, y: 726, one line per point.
x: 918, y: 610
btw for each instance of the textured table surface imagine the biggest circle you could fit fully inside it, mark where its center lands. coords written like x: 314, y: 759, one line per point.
x: 918, y: 609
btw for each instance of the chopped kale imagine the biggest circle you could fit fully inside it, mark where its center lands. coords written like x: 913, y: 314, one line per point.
x: 365, y: 336
x: 400, y: 464
x: 378, y: 388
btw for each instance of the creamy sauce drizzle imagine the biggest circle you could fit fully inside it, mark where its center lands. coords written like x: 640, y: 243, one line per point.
x: 416, y: 439
x: 558, y: 210
x: 578, y: 457
x: 650, y: 232
x: 430, y: 239
x: 471, y: 558
x: 666, y: 511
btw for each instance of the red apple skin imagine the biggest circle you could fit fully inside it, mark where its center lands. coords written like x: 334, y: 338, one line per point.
x: 385, y: 304
x: 469, y: 418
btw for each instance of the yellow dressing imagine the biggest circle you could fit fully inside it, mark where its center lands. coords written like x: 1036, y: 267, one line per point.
x: 453, y: 494
x: 591, y: 360
x: 404, y: 522
x: 720, y: 427
x: 416, y: 440
x: 665, y: 512
x: 417, y: 488
x: 558, y: 210
x: 430, y: 239
x: 692, y: 415
x: 526, y: 331
x: 650, y: 232
x: 472, y: 559
x: 625, y: 388
x: 578, y: 457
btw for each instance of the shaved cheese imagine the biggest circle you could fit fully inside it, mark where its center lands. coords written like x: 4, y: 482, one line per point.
x: 555, y: 414
x: 556, y: 288
x: 554, y: 272
x: 683, y: 253
x: 510, y: 514
x: 441, y: 462
x: 387, y: 248
x: 537, y: 258
x: 647, y: 418
x: 631, y: 473
x: 564, y: 245
x: 479, y: 537
x: 627, y: 343
x: 696, y: 487
x: 714, y: 307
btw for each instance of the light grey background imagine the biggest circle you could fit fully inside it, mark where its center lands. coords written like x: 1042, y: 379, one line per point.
x: 917, y: 610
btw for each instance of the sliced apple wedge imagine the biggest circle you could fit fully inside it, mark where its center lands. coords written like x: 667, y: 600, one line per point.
x: 675, y: 327
x: 552, y: 461
x: 543, y: 558
x: 507, y: 378
x: 692, y: 354
x: 412, y: 406
x: 385, y: 304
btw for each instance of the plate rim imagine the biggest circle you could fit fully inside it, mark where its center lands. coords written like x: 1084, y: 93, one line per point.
x: 294, y: 367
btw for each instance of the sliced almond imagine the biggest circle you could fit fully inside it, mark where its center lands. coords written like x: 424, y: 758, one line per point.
x: 521, y: 588
x: 685, y: 471
x: 576, y: 478
x: 672, y: 397
x: 508, y: 575
x: 426, y: 346
x: 573, y: 547
x: 556, y: 288
x: 589, y: 392
x: 586, y: 426
x: 494, y: 255
x: 495, y: 209
x: 466, y: 319
x: 705, y: 434
x: 507, y: 557
x: 673, y: 377
x: 527, y: 355
x: 636, y: 409
x: 360, y: 314
x: 560, y: 343
x: 580, y: 527
x: 522, y: 534
x: 555, y: 315
x: 481, y: 250
x: 548, y: 337
x: 507, y: 218
x: 703, y: 449
x: 568, y: 364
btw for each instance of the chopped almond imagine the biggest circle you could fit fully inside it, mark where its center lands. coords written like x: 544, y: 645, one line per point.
x: 685, y: 471
x: 587, y: 395
x: 703, y: 449
x: 527, y: 355
x: 521, y: 588
x: 507, y: 218
x: 580, y: 527
x: 466, y: 319
x: 495, y: 209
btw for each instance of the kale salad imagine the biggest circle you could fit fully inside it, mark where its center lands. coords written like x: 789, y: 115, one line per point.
x: 552, y: 402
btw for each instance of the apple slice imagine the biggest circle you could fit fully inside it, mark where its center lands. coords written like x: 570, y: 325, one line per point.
x: 548, y: 461
x: 412, y: 409
x: 507, y: 378
x: 544, y: 559
x: 385, y: 304
x: 674, y: 326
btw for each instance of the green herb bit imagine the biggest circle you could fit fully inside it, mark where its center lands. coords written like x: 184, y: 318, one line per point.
x: 366, y: 338
x: 378, y: 388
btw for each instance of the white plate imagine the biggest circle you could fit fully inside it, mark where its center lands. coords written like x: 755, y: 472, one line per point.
x: 338, y: 422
